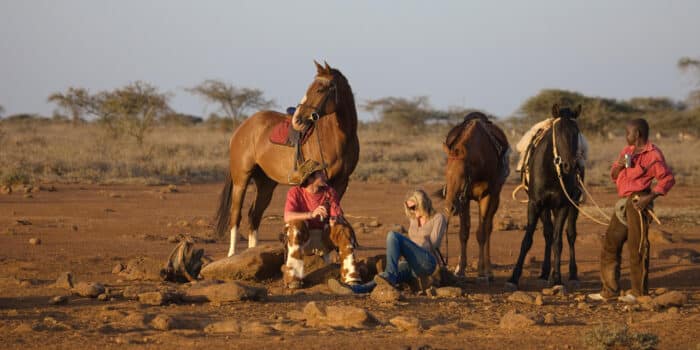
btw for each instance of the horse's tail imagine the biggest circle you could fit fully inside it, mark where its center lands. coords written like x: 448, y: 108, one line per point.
x: 223, y: 214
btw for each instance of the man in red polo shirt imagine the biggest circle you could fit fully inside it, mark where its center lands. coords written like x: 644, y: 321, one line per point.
x: 316, y: 203
x: 639, y: 163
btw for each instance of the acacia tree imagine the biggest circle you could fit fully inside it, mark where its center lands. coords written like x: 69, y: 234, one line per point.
x: 75, y: 101
x: 2, y: 110
x: 232, y: 100
x: 687, y: 64
x: 132, y: 110
x: 399, y: 111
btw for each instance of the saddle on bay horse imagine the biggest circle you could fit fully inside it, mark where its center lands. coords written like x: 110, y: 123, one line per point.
x: 284, y: 134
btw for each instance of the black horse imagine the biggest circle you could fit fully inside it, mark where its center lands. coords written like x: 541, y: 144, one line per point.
x: 546, y: 195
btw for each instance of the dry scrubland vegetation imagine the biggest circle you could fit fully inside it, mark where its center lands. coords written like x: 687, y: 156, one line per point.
x: 45, y: 151
x: 136, y: 137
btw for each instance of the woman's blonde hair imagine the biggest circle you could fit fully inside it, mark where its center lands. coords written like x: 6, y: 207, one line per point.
x: 424, y: 205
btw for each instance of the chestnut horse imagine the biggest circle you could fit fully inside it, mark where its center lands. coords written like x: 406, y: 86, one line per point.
x: 477, y: 167
x: 330, y: 105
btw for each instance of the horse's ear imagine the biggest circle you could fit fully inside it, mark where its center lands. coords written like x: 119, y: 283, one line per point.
x: 445, y: 148
x: 577, y: 111
x: 555, y: 110
x: 319, y: 67
x: 328, y: 68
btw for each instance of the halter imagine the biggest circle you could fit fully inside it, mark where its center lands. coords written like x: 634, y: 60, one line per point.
x: 318, y: 110
x: 557, y: 166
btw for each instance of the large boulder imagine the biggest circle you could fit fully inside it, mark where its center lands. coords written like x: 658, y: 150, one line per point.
x: 253, y: 264
x: 224, y: 292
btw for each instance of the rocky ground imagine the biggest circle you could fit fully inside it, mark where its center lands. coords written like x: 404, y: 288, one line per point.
x: 80, y: 268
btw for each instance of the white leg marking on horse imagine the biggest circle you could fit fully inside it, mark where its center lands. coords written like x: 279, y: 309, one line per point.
x: 234, y: 241
x: 349, y: 266
x: 253, y: 239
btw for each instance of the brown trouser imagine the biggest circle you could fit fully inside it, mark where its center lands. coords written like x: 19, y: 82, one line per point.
x: 636, y: 235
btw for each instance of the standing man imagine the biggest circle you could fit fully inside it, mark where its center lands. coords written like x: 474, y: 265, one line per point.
x: 639, y: 163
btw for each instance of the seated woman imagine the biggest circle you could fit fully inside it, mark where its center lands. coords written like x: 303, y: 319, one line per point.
x: 418, y: 248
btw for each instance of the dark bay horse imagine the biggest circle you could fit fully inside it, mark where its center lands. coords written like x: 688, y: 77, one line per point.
x: 476, y: 170
x: 546, y: 198
x: 329, y: 104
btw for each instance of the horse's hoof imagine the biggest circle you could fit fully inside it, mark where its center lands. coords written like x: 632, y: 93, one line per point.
x: 573, y: 285
x: 510, y: 287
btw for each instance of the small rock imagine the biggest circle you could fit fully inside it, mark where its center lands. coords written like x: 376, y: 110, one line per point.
x: 672, y: 298
x: 223, y: 327
x: 59, y: 300
x: 550, y: 319
x: 539, y: 301
x: 91, y: 290
x: 386, y: 294
x: 514, y: 320
x: 162, y: 322
x: 521, y: 297
x: 103, y: 297
x: 225, y: 292
x: 374, y: 224
x: 6, y: 189
x: 348, y: 317
x: 659, y: 291
x: 406, y: 323
x: 170, y: 189
x: 64, y: 280
x: 644, y: 299
x: 35, y: 241
x: 119, y: 267
x: 448, y: 292
x: 157, y: 298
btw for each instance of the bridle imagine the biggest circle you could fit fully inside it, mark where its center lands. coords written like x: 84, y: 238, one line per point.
x: 319, y: 110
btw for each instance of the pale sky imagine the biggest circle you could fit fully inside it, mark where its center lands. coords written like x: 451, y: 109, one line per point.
x: 490, y: 55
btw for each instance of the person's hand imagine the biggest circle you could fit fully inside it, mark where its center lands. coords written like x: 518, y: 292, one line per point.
x: 621, y: 161
x: 644, y: 201
x: 320, y: 211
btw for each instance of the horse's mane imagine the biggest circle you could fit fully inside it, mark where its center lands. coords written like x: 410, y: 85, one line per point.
x: 458, y: 130
x: 344, y: 90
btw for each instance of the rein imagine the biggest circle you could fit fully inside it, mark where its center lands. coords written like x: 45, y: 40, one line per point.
x: 557, y: 167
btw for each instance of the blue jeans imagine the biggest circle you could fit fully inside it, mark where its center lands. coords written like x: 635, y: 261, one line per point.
x: 417, y: 262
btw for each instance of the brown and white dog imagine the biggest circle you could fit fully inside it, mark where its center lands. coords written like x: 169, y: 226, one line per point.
x: 301, y: 241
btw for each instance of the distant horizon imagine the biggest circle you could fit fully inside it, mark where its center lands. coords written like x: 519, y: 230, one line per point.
x: 482, y: 55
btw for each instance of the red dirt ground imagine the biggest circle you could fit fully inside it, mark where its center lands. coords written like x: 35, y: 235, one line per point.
x: 87, y: 229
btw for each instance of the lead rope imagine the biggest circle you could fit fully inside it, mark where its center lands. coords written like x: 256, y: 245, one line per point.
x: 557, y: 167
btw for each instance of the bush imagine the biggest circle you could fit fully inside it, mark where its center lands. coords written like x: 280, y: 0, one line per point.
x: 606, y: 337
